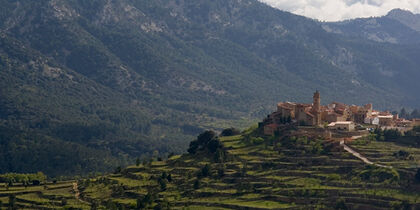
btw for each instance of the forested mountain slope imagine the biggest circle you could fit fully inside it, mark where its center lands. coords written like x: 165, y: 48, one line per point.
x: 124, y: 78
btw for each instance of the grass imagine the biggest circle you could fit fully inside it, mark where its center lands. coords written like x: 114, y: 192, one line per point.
x: 33, y: 197
x: 255, y: 176
x: 47, y: 196
x: 98, y: 191
x: 383, y: 153
x: 130, y: 182
x: 196, y: 207
x: 131, y: 202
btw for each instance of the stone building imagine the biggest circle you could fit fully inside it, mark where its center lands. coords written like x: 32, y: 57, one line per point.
x: 338, y: 115
x: 342, y: 126
x: 304, y: 114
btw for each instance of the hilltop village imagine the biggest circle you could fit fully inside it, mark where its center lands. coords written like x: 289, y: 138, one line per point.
x: 335, y: 117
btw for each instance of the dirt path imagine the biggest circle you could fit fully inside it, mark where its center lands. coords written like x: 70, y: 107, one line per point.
x: 361, y: 157
x: 77, y: 193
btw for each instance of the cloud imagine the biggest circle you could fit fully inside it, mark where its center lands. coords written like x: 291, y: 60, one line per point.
x: 335, y: 10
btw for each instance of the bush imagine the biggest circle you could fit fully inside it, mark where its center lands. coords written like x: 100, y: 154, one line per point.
x: 205, y: 141
x: 197, y: 184
x: 402, y: 154
x: 230, y: 132
x: 257, y: 140
x: 205, y: 171
x: 162, y: 183
x: 340, y: 204
x: 377, y: 174
x: 418, y: 175
x: 221, y: 172
x: 63, y: 202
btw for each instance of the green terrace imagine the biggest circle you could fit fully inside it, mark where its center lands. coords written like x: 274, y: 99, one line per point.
x: 245, y: 171
x: 249, y: 171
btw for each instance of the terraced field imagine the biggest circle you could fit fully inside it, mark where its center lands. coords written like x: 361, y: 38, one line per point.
x: 263, y: 176
x: 387, y: 153
x: 254, y: 173
x: 58, y: 195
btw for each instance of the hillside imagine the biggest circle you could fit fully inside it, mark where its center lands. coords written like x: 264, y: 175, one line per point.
x: 398, y: 26
x: 248, y: 171
x: 117, y: 80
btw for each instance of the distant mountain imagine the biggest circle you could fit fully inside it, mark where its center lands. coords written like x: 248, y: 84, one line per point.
x: 397, y: 27
x: 131, y: 78
x: 406, y: 17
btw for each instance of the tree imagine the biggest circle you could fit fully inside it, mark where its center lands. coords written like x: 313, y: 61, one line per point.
x: 230, y: 132
x: 117, y: 170
x: 205, y: 141
x: 415, y: 114
x: 137, y: 161
x: 197, y: 184
x: 94, y: 205
x: 205, y: 137
x: 162, y: 205
x: 63, y: 201
x: 221, y: 171
x: 36, y: 182
x: 139, y: 204
x: 340, y: 204
x: 220, y: 155
x: 162, y: 184
x: 12, y: 202
x: 164, y: 175
x: 112, y: 206
x: 213, y: 145
x: 392, y: 134
x: 193, y: 147
x: 403, y: 113
x: 148, y: 198
x: 418, y: 175
x: 205, y: 171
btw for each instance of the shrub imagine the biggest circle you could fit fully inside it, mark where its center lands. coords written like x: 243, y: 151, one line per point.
x: 221, y: 171
x: 205, y: 171
x: 205, y: 141
x: 63, y: 202
x: 137, y: 161
x: 377, y: 174
x: 257, y: 140
x: 197, y: 184
x: 418, y: 175
x: 230, y: 132
x: 162, y: 183
x: 402, y: 154
x: 340, y: 204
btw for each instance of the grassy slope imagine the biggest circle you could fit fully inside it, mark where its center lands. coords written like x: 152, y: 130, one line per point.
x: 261, y: 177
x: 256, y: 176
x: 49, y: 196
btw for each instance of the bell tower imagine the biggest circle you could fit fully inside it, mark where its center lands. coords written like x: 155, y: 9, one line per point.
x: 316, y: 108
x: 317, y: 102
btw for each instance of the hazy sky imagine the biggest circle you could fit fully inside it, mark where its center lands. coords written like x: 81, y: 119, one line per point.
x: 334, y: 10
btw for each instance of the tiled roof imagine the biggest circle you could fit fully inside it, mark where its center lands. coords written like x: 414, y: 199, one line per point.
x: 272, y: 125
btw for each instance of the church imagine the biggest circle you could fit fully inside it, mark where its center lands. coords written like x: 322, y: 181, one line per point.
x: 304, y: 114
